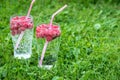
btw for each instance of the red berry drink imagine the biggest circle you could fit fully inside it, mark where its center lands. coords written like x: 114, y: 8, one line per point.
x: 19, y: 24
x: 50, y: 34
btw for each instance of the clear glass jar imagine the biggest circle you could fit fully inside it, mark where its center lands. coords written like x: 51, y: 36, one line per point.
x: 51, y: 53
x: 24, y: 49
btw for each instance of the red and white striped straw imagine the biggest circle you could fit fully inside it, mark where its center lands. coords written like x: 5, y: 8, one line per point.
x: 58, y: 11
x: 46, y: 43
x: 22, y: 33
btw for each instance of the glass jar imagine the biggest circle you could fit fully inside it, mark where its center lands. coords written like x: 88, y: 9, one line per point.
x: 51, y: 53
x: 24, y: 49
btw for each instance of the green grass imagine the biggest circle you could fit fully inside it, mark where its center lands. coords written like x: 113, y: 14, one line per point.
x: 89, y: 43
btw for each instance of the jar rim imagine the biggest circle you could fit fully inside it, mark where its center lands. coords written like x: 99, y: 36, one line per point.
x: 54, y: 23
x: 31, y: 17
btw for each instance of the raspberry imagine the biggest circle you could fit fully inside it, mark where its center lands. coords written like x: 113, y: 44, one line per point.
x: 47, y: 32
x: 22, y: 28
x: 19, y: 24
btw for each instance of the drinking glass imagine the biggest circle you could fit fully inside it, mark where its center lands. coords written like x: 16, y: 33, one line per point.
x: 51, y: 54
x: 24, y: 49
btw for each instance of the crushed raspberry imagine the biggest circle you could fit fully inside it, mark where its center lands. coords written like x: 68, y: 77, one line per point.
x: 47, y: 32
x: 19, y: 24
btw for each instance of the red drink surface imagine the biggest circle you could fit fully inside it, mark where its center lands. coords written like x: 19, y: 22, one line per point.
x: 20, y: 23
x: 47, y: 32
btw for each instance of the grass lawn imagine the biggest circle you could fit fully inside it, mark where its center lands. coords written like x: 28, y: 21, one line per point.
x: 89, y: 43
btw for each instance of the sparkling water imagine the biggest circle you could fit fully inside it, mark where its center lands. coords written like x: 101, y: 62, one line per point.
x: 24, y: 49
x: 51, y: 54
